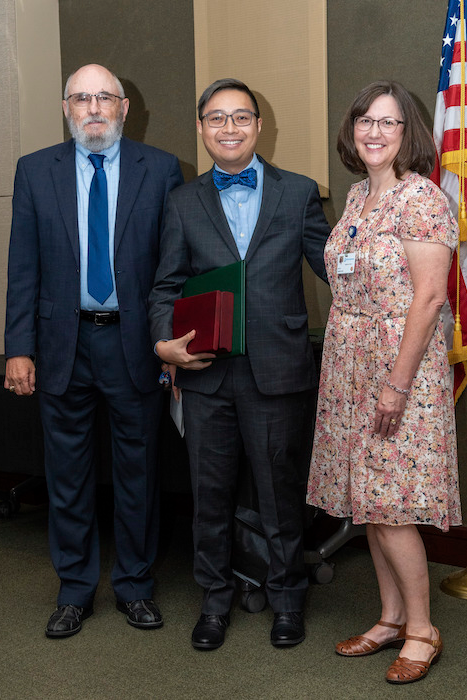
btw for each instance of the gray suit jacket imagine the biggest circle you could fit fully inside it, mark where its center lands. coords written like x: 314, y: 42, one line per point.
x: 196, y: 238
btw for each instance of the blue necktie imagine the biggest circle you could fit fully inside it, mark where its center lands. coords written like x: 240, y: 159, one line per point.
x: 100, y: 284
x: 223, y: 180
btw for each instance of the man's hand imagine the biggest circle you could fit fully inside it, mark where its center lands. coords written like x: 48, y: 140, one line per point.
x: 174, y: 352
x: 20, y: 374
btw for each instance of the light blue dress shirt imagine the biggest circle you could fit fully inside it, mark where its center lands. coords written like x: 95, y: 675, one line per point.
x: 84, y: 174
x: 241, y: 206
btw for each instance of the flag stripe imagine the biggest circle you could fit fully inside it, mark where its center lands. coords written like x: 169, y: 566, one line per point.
x: 452, y: 97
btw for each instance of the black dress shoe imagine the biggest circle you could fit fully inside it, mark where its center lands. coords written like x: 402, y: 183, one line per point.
x: 66, y: 620
x: 288, y: 629
x: 209, y: 631
x: 141, y: 613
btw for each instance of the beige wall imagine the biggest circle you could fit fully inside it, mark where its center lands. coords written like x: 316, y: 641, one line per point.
x: 30, y: 118
x: 9, y: 136
x: 39, y: 74
x: 292, y: 93
x: 280, y: 52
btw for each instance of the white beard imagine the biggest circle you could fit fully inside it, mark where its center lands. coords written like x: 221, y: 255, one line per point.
x: 96, y: 142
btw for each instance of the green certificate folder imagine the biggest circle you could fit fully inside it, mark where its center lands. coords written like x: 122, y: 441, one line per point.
x: 230, y: 278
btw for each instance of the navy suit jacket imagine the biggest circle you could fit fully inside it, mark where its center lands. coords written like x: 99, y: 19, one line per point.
x: 197, y: 238
x: 44, y: 265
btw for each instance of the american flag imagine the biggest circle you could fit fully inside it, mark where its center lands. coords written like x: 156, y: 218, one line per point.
x: 446, y: 135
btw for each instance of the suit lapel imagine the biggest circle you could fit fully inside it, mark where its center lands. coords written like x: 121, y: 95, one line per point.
x: 132, y: 172
x: 64, y: 179
x: 211, y: 202
x: 272, y: 193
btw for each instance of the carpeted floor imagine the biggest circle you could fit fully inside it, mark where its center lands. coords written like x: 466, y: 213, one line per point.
x: 109, y: 660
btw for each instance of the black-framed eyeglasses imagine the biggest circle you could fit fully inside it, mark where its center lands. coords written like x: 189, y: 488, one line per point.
x: 241, y: 117
x: 103, y: 98
x: 386, y: 125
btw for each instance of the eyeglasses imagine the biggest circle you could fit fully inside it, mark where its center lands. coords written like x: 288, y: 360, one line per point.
x: 105, y: 99
x: 241, y: 117
x: 386, y: 125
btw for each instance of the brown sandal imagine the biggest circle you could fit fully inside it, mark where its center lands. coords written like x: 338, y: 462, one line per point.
x: 363, y: 646
x: 405, y: 670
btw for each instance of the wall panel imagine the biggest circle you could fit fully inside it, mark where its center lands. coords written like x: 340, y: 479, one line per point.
x: 149, y: 45
x: 9, y: 108
x: 279, y: 50
x: 29, y: 119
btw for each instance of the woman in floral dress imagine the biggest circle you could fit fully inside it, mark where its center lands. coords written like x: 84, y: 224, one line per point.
x: 385, y: 443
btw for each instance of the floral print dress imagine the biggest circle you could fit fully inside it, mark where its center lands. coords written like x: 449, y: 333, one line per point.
x: 411, y: 477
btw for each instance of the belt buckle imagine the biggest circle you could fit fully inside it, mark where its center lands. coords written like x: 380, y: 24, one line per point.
x: 100, y: 315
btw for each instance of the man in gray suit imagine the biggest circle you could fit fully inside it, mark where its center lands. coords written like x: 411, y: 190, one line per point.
x: 244, y: 209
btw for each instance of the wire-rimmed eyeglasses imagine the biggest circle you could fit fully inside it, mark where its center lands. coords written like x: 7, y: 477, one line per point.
x: 84, y: 98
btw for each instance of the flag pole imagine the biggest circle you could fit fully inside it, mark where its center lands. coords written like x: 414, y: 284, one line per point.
x: 458, y: 352
x: 462, y: 216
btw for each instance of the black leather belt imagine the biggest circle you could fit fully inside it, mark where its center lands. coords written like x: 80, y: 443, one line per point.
x: 100, y: 318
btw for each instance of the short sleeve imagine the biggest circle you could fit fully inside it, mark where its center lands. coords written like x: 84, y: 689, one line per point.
x: 426, y: 216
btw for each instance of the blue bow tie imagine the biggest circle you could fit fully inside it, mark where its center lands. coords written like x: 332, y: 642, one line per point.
x: 223, y: 180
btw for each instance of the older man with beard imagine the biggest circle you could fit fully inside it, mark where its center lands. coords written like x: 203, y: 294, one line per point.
x: 83, y: 253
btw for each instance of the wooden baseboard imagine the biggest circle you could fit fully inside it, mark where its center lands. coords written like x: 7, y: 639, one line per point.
x: 446, y: 547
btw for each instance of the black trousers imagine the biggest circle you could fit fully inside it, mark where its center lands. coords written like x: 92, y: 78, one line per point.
x: 272, y: 430
x: 70, y: 462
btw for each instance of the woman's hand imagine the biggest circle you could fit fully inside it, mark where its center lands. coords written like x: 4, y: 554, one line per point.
x: 389, y: 410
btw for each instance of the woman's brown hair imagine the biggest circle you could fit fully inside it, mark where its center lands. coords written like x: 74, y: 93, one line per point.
x: 417, y: 151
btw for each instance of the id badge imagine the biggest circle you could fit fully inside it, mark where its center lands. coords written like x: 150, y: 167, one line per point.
x: 345, y: 263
